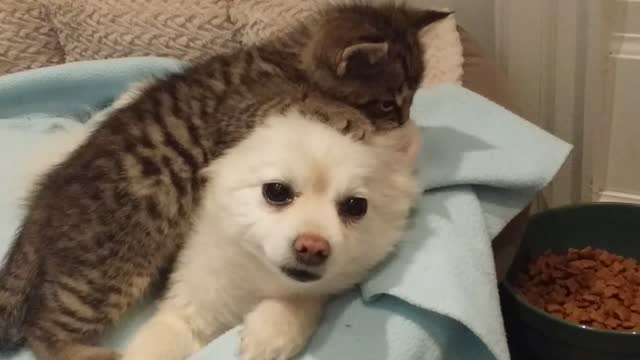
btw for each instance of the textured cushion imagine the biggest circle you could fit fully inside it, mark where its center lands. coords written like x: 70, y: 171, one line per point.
x: 27, y: 37
x: 259, y: 19
x: 102, y: 29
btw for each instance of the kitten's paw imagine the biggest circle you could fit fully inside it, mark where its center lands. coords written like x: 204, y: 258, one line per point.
x: 360, y: 133
x: 351, y: 124
x: 344, y: 118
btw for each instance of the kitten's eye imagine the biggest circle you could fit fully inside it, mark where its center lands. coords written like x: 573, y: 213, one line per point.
x: 353, y: 208
x: 277, y: 194
x: 387, y: 105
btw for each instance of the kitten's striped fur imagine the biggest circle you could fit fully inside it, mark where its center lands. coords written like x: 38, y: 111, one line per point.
x: 103, y: 225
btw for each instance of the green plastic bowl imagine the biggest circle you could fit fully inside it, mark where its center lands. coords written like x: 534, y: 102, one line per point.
x: 536, y: 335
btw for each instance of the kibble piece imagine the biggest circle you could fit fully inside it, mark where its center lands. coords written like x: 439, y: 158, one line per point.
x: 622, y: 313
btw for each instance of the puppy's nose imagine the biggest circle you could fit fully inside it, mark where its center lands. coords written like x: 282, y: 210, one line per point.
x: 311, y: 249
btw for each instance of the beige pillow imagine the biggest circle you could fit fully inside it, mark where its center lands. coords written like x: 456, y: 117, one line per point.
x: 27, y: 38
x: 260, y: 19
x: 100, y: 29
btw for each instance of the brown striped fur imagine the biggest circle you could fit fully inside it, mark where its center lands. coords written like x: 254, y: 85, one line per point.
x: 103, y: 224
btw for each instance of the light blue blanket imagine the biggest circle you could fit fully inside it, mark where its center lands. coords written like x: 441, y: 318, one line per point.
x: 436, y: 298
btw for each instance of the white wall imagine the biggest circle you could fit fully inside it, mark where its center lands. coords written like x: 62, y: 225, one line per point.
x: 477, y: 16
x: 622, y: 171
x: 555, y: 55
x: 574, y: 68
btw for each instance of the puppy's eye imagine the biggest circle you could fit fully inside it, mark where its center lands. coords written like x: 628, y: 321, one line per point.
x: 387, y: 106
x: 353, y: 208
x: 277, y: 194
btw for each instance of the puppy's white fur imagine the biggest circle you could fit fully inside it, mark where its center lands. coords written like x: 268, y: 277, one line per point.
x: 229, y: 271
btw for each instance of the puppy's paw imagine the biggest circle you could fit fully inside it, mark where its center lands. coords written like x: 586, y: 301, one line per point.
x: 267, y: 343
x: 278, y: 329
x: 266, y: 337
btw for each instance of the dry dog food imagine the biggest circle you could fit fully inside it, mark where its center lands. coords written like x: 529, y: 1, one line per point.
x: 589, y: 286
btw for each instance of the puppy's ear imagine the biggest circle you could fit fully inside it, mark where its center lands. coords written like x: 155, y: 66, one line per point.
x: 405, y: 142
x: 409, y: 142
x: 361, y: 57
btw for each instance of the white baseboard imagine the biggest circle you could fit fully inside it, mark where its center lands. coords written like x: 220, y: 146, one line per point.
x: 625, y: 46
x: 615, y: 196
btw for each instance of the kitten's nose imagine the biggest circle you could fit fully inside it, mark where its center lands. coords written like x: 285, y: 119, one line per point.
x: 311, y: 249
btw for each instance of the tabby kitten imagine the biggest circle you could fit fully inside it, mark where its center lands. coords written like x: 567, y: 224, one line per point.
x: 104, y: 223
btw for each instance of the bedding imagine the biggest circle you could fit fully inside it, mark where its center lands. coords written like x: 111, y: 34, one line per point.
x: 435, y: 298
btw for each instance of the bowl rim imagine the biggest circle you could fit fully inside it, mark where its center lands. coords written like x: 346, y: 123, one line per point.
x: 513, y: 293
x: 583, y: 205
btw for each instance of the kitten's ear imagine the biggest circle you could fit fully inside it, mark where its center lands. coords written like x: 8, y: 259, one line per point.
x: 425, y: 18
x: 360, y: 57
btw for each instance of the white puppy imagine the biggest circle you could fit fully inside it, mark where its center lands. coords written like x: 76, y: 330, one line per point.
x: 293, y: 214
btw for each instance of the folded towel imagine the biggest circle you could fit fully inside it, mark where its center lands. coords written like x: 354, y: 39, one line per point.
x: 435, y: 298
